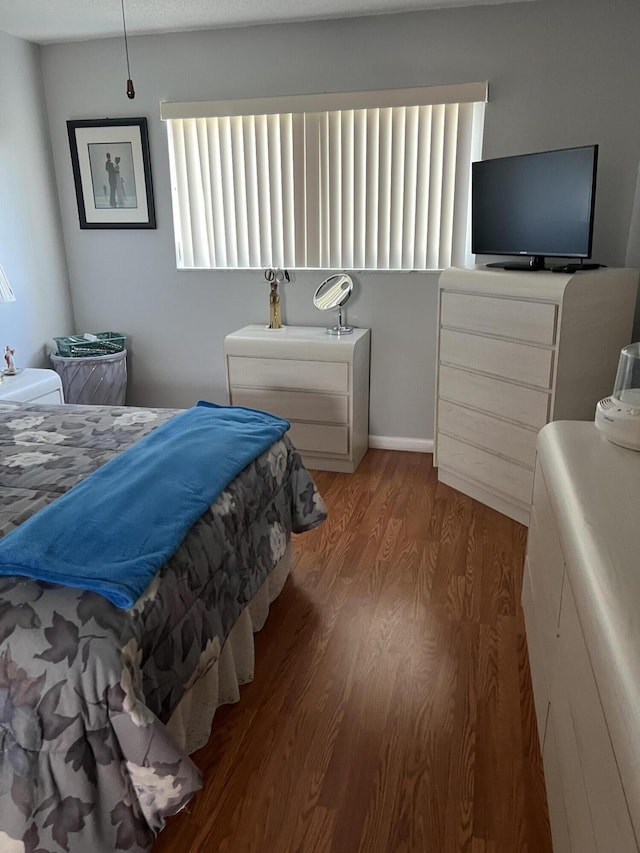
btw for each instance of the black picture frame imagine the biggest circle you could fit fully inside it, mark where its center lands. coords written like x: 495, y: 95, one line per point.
x: 112, y: 172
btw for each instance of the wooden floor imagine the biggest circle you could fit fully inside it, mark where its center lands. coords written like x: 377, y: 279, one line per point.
x: 392, y: 706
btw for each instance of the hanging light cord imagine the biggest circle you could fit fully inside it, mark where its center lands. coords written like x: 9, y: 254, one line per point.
x: 131, y: 92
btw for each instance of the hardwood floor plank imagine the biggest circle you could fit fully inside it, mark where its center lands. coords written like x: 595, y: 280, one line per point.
x: 391, y: 710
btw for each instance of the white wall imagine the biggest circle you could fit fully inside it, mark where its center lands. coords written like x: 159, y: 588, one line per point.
x: 31, y: 247
x: 561, y: 73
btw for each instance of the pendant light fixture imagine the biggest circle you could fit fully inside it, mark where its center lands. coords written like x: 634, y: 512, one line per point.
x: 131, y: 92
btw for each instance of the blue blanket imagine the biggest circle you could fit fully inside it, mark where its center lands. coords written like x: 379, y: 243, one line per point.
x: 113, y: 531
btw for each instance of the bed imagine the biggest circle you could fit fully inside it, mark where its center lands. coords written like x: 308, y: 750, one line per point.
x: 100, y: 706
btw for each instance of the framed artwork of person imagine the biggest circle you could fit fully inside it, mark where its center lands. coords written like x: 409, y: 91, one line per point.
x: 112, y: 172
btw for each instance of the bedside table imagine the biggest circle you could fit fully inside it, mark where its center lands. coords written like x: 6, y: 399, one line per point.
x: 318, y: 382
x: 32, y: 385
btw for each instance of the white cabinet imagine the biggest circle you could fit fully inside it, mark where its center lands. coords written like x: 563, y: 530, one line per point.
x: 32, y: 385
x: 516, y: 350
x: 581, y: 599
x: 318, y: 382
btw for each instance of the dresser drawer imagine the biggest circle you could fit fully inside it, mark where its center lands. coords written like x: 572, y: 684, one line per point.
x: 317, y: 438
x: 526, y: 364
x: 526, y: 405
x: 487, y: 469
x: 605, y: 795
x: 295, y: 405
x: 511, y: 318
x: 536, y: 654
x: 507, y: 439
x: 331, y: 376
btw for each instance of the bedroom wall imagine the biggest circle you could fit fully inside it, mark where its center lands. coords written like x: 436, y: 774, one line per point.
x: 561, y: 73
x: 31, y: 247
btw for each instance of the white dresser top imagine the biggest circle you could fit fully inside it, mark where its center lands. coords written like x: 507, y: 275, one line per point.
x: 594, y: 487
x: 30, y: 383
x: 307, y: 342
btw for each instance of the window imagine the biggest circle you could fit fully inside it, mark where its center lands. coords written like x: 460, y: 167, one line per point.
x: 366, y: 180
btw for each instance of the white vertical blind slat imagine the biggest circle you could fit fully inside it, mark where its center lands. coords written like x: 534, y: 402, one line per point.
x: 422, y: 187
x: 275, y: 189
x: 372, y: 187
x: 398, y: 164
x: 240, y: 190
x: 384, y: 187
x: 360, y: 189
x: 375, y: 188
x: 335, y: 211
x: 253, y: 204
x: 409, y: 190
x: 264, y: 191
x: 435, y: 187
x: 217, y: 193
x: 313, y: 181
x: 288, y: 194
x: 203, y: 165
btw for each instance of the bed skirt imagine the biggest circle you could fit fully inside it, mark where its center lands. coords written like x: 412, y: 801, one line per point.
x: 190, y: 723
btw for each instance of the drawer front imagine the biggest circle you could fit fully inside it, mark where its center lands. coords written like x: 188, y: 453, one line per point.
x: 516, y: 442
x: 526, y: 364
x: 526, y: 405
x: 536, y: 655
x: 295, y: 405
x: 331, y: 376
x: 317, y: 438
x: 546, y: 558
x: 511, y: 318
x: 573, y: 791
x: 555, y: 793
x: 547, y: 578
x: 489, y: 470
x: 607, y: 804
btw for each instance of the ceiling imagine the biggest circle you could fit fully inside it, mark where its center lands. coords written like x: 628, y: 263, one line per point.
x: 46, y: 21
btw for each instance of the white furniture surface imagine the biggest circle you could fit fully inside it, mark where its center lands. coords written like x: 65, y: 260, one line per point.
x: 32, y: 385
x: 319, y: 382
x: 581, y: 600
x: 516, y: 350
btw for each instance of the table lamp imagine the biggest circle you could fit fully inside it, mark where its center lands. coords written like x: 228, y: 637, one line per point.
x: 6, y: 294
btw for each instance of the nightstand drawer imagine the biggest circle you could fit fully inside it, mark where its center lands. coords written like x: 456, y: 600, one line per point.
x: 511, y: 318
x: 525, y: 364
x: 320, y: 438
x: 507, y: 439
x: 507, y: 477
x: 515, y: 402
x: 295, y: 405
x: 292, y: 373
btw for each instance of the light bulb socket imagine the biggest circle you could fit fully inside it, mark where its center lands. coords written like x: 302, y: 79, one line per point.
x: 131, y: 92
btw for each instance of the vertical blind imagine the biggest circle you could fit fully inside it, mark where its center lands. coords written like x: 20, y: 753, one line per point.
x: 362, y: 187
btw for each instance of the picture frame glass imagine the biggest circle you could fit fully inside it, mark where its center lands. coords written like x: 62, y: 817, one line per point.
x: 112, y: 173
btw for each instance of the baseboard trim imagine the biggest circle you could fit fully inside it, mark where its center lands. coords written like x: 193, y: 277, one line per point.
x: 392, y: 442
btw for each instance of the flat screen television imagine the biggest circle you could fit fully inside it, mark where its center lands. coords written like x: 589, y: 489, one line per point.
x: 535, y: 205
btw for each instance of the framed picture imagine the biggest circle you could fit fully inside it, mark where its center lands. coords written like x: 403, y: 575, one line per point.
x: 112, y: 172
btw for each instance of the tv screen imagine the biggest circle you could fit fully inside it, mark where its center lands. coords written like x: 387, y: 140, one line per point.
x: 535, y: 205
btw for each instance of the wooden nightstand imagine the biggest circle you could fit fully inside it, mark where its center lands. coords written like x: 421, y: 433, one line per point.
x: 32, y: 385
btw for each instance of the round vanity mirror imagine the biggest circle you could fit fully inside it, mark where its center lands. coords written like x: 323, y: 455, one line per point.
x: 331, y: 294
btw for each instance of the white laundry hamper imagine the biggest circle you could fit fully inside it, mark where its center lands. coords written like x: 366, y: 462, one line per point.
x: 94, y: 381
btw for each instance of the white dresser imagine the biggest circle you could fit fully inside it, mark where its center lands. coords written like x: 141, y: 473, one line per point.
x: 516, y: 350
x: 581, y: 601
x: 32, y: 385
x: 319, y: 382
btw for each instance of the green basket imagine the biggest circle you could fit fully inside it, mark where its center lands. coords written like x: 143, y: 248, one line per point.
x: 77, y: 346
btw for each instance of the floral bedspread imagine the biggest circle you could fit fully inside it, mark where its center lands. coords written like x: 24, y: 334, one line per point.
x: 86, y: 763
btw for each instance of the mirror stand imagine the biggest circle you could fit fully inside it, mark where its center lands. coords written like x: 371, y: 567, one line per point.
x: 339, y: 329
